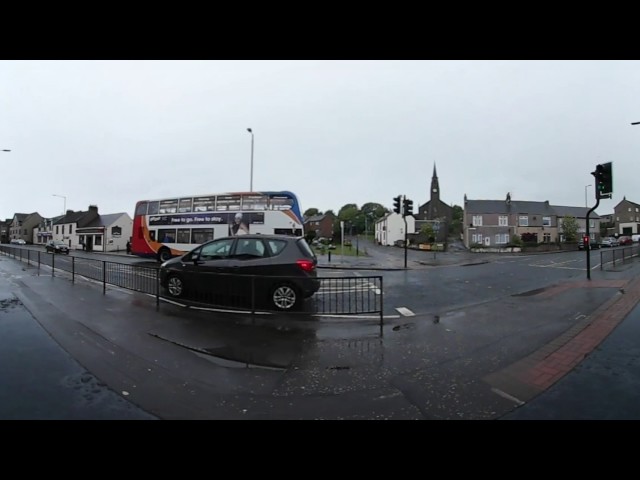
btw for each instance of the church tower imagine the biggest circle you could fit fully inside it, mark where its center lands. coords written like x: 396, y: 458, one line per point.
x: 435, y: 187
x: 434, y: 203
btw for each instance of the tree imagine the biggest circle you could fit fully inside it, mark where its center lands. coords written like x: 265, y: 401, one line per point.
x: 310, y: 235
x: 310, y: 212
x: 570, y: 228
x: 456, y: 220
x: 428, y: 231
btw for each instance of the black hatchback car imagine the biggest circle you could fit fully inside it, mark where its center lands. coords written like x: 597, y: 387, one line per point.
x: 276, y: 270
x: 56, y: 246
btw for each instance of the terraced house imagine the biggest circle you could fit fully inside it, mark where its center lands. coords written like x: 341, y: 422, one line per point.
x: 493, y: 223
x: 22, y: 226
x: 626, y: 217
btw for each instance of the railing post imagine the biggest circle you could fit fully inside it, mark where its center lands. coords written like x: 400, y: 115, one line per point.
x: 381, y: 305
x: 104, y: 277
x: 157, y: 289
x: 73, y: 269
x: 38, y: 262
x: 253, y: 295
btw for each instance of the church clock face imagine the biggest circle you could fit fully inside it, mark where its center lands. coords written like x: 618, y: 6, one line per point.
x: 435, y: 190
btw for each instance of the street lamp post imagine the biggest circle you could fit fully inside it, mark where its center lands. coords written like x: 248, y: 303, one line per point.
x: 585, y: 195
x: 65, y: 202
x: 251, y: 181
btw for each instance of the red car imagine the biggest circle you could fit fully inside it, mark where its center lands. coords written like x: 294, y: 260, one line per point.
x: 625, y: 240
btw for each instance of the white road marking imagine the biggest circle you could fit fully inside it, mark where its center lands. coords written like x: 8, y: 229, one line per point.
x: 507, y: 396
x: 405, y: 311
x: 556, y: 266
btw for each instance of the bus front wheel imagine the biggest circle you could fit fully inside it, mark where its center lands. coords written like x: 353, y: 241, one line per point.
x: 164, y: 254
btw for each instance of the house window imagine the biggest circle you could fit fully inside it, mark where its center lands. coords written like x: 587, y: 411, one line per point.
x: 477, y: 220
x: 62, y: 229
x: 502, y: 238
x: 631, y: 218
x: 503, y: 221
x: 98, y: 240
x: 629, y: 208
x: 523, y: 221
x: 81, y: 239
x: 546, y: 221
x: 546, y: 238
x: 25, y: 230
x: 56, y: 229
x: 592, y: 224
x: 617, y: 219
x: 70, y: 229
x: 476, y: 238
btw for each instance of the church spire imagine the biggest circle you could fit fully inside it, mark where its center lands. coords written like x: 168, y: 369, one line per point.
x: 435, y: 187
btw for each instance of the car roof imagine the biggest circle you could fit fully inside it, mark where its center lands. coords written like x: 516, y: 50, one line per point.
x: 263, y: 236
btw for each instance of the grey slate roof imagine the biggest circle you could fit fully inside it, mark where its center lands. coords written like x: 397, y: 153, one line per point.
x: 104, y: 220
x: 500, y: 206
x: 525, y: 208
x: 578, y: 212
x: 315, y: 218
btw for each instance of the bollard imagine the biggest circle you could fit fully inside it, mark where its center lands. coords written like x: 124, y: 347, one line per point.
x: 329, y: 254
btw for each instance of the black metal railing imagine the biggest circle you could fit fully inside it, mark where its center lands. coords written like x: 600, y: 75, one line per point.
x: 254, y: 293
x: 620, y: 255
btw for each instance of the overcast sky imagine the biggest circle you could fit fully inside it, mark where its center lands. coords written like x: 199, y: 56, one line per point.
x: 109, y: 133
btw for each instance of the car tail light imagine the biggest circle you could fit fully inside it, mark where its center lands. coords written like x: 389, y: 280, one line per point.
x: 306, y: 265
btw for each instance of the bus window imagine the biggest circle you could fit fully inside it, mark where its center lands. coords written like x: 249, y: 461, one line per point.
x: 167, y: 235
x: 141, y: 209
x: 203, y: 204
x: 168, y: 206
x: 153, y: 208
x: 201, y: 235
x: 280, y: 203
x: 254, y: 202
x: 184, y: 235
x: 185, y: 205
x: 228, y: 202
x: 152, y: 235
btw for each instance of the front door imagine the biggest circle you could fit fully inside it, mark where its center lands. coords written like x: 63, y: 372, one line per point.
x: 487, y: 241
x: 89, y: 243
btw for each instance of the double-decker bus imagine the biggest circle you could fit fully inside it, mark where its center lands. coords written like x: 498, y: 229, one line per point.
x: 168, y: 227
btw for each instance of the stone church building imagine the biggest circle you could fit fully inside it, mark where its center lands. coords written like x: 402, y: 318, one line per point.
x: 435, y: 211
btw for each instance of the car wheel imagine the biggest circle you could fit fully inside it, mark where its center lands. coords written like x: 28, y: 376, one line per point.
x: 175, y: 286
x: 164, y: 254
x: 285, y: 297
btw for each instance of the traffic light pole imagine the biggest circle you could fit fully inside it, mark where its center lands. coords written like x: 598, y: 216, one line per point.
x: 587, y: 247
x: 404, y: 217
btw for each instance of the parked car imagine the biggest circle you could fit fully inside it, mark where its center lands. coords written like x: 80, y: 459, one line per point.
x: 280, y: 270
x: 593, y: 245
x: 18, y: 241
x: 625, y: 240
x: 56, y: 246
x: 609, y: 242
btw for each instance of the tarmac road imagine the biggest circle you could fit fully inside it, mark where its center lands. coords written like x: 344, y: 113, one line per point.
x: 73, y: 352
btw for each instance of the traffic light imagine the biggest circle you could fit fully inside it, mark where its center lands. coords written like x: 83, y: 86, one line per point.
x: 407, y: 207
x: 396, y: 203
x: 604, y: 180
